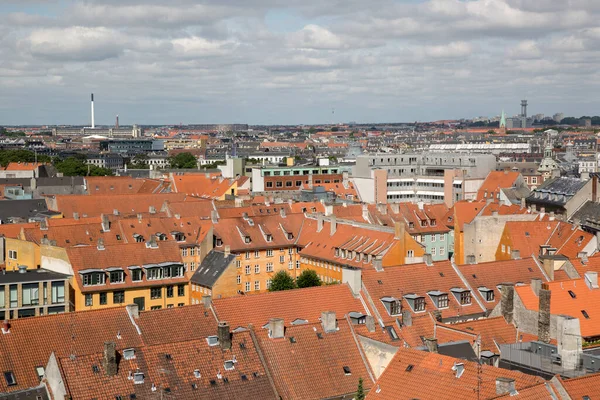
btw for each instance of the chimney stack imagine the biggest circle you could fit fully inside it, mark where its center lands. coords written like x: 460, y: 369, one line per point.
x: 507, y: 301
x: 428, y: 259
x: 282, y: 212
x: 152, y: 210
x: 224, y: 335
x: 276, y: 328
x: 333, y: 225
x: 100, y: 245
x: 544, y: 315
x: 432, y: 344
x: 399, y: 230
x: 214, y: 216
x: 406, y: 318
x: 76, y: 216
x: 328, y: 321
x: 515, y: 254
x: 536, y: 285
x: 109, y: 360
x: 105, y: 223
x: 370, y: 323
x: 227, y: 251
x: 206, y: 301
x: 505, y: 386
x: 5, y: 327
x: 319, y: 222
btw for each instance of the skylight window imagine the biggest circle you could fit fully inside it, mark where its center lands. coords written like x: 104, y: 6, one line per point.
x: 10, y: 378
x: 585, y: 314
x: 347, y: 370
x: 409, y: 367
x: 212, y: 340
x: 138, y: 378
x: 129, y: 354
x: 572, y: 294
x: 229, y: 365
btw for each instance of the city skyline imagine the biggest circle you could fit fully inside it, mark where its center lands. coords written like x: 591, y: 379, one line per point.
x: 259, y: 63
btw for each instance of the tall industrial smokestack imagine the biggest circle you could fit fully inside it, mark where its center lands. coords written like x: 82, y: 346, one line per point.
x: 117, y: 124
x: 93, y: 124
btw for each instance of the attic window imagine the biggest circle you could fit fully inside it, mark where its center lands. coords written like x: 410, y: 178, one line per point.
x: 392, y: 305
x: 10, y: 378
x: 168, y: 356
x: 212, y: 340
x: 290, y: 236
x: 442, y: 274
x: 129, y: 354
x: 229, y: 365
x: 95, y: 369
x: 572, y: 294
x: 269, y: 238
x: 526, y: 233
x: 530, y: 269
x: 585, y: 314
x: 347, y: 370
x: 247, y: 239
x: 138, y: 378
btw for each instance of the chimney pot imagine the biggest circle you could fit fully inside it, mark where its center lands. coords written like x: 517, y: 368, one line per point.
x: 432, y: 345
x: 505, y: 385
x: 224, y: 335
x: 276, y: 328
x: 328, y: 321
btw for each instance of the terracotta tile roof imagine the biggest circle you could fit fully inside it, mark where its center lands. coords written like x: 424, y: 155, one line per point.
x: 71, y: 235
x: 232, y: 231
x: 346, y: 239
x: 13, y: 230
x: 247, y: 380
x: 200, y: 209
x: 312, y: 367
x: 593, y: 264
x: 124, y: 256
x: 27, y: 166
x: 503, y: 209
x: 405, y: 376
x: 102, y: 185
x: 340, y: 190
x: 495, y: 181
x: 543, y: 391
x: 491, y: 274
x: 494, y: 332
x: 193, y: 228
x: 90, y: 206
x: 427, y: 218
x: 290, y: 305
x: 418, y: 279
x: 563, y: 303
x: 77, y: 333
x: 193, y: 322
x: 199, y: 185
x: 588, y: 385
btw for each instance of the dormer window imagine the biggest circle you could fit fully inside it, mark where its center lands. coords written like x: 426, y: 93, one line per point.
x: 417, y: 303
x: 487, y: 294
x: 116, y: 275
x: 269, y: 238
x: 129, y: 354
x: 337, y: 252
x: 247, y: 239
x: 433, y: 222
x: 392, y: 305
x: 93, y: 277
x: 463, y: 296
x: 423, y: 222
x: 178, y: 236
x: 411, y: 225
x: 290, y: 236
x: 440, y: 299
x: 219, y: 242
x: 138, y: 238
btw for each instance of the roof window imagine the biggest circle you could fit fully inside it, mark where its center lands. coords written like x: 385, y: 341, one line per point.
x: 10, y: 378
x: 129, y: 354
x: 197, y: 374
x: 212, y: 340
x: 138, y: 378
x: 229, y: 365
x: 572, y: 294
x: 409, y: 367
x: 347, y: 370
x: 585, y: 314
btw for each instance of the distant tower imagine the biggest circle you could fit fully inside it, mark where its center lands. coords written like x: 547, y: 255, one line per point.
x: 503, y: 122
x: 524, y: 108
x: 117, y: 122
x: 93, y: 124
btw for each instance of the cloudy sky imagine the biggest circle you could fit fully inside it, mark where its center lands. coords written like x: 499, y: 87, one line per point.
x: 294, y: 61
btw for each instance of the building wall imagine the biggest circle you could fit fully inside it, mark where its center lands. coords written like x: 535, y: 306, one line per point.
x: 28, y: 254
x: 580, y: 197
x: 130, y: 295
x: 378, y: 354
x: 262, y: 276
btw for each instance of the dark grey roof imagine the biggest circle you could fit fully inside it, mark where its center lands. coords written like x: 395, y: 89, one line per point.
x: 60, y: 181
x: 21, y: 209
x: 515, y: 195
x: 213, y: 265
x: 589, y: 211
x: 37, y: 393
x: 25, y: 182
x: 462, y: 349
x: 556, y: 190
x: 35, y: 275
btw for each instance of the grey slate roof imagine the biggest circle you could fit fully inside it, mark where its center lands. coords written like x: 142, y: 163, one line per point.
x: 22, y: 209
x: 213, y: 265
x: 589, y: 211
x: 516, y: 194
x: 556, y: 190
x: 36, y: 275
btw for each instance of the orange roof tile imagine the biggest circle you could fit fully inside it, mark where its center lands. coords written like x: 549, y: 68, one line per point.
x: 577, y: 388
x: 26, y: 166
x: 290, y: 305
x: 563, y: 303
x: 495, y: 181
x: 405, y: 376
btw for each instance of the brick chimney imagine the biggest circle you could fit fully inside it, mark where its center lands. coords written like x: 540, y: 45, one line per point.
x: 328, y: 321
x: 544, y: 315
x: 505, y: 385
x: 507, y: 301
x: 399, y: 230
x: 276, y: 328
x: 224, y: 335
x: 109, y: 359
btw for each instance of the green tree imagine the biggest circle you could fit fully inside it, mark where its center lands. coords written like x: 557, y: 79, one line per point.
x: 74, y: 166
x: 8, y: 156
x: 282, y: 281
x: 308, y: 278
x: 183, y: 160
x: 139, y: 161
x: 360, y: 392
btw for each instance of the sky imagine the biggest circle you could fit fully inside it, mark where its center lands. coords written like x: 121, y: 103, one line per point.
x: 295, y: 61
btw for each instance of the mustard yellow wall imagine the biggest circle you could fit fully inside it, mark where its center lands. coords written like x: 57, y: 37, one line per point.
x: 505, y: 240
x: 130, y: 294
x: 327, y: 271
x: 28, y: 254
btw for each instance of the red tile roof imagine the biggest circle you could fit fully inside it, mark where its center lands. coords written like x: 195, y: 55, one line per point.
x: 406, y: 374
x: 306, y: 304
x: 563, y: 303
x: 495, y: 181
x: 588, y: 385
x: 494, y: 273
x: 312, y: 367
x: 27, y: 166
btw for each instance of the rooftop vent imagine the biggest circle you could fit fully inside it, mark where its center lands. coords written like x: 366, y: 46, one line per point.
x: 197, y: 374
x: 459, y: 369
x: 138, y: 378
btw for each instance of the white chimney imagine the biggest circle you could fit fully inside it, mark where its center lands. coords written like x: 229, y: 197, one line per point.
x: 93, y: 124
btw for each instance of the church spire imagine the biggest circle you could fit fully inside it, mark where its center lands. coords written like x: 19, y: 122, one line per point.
x: 503, y: 120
